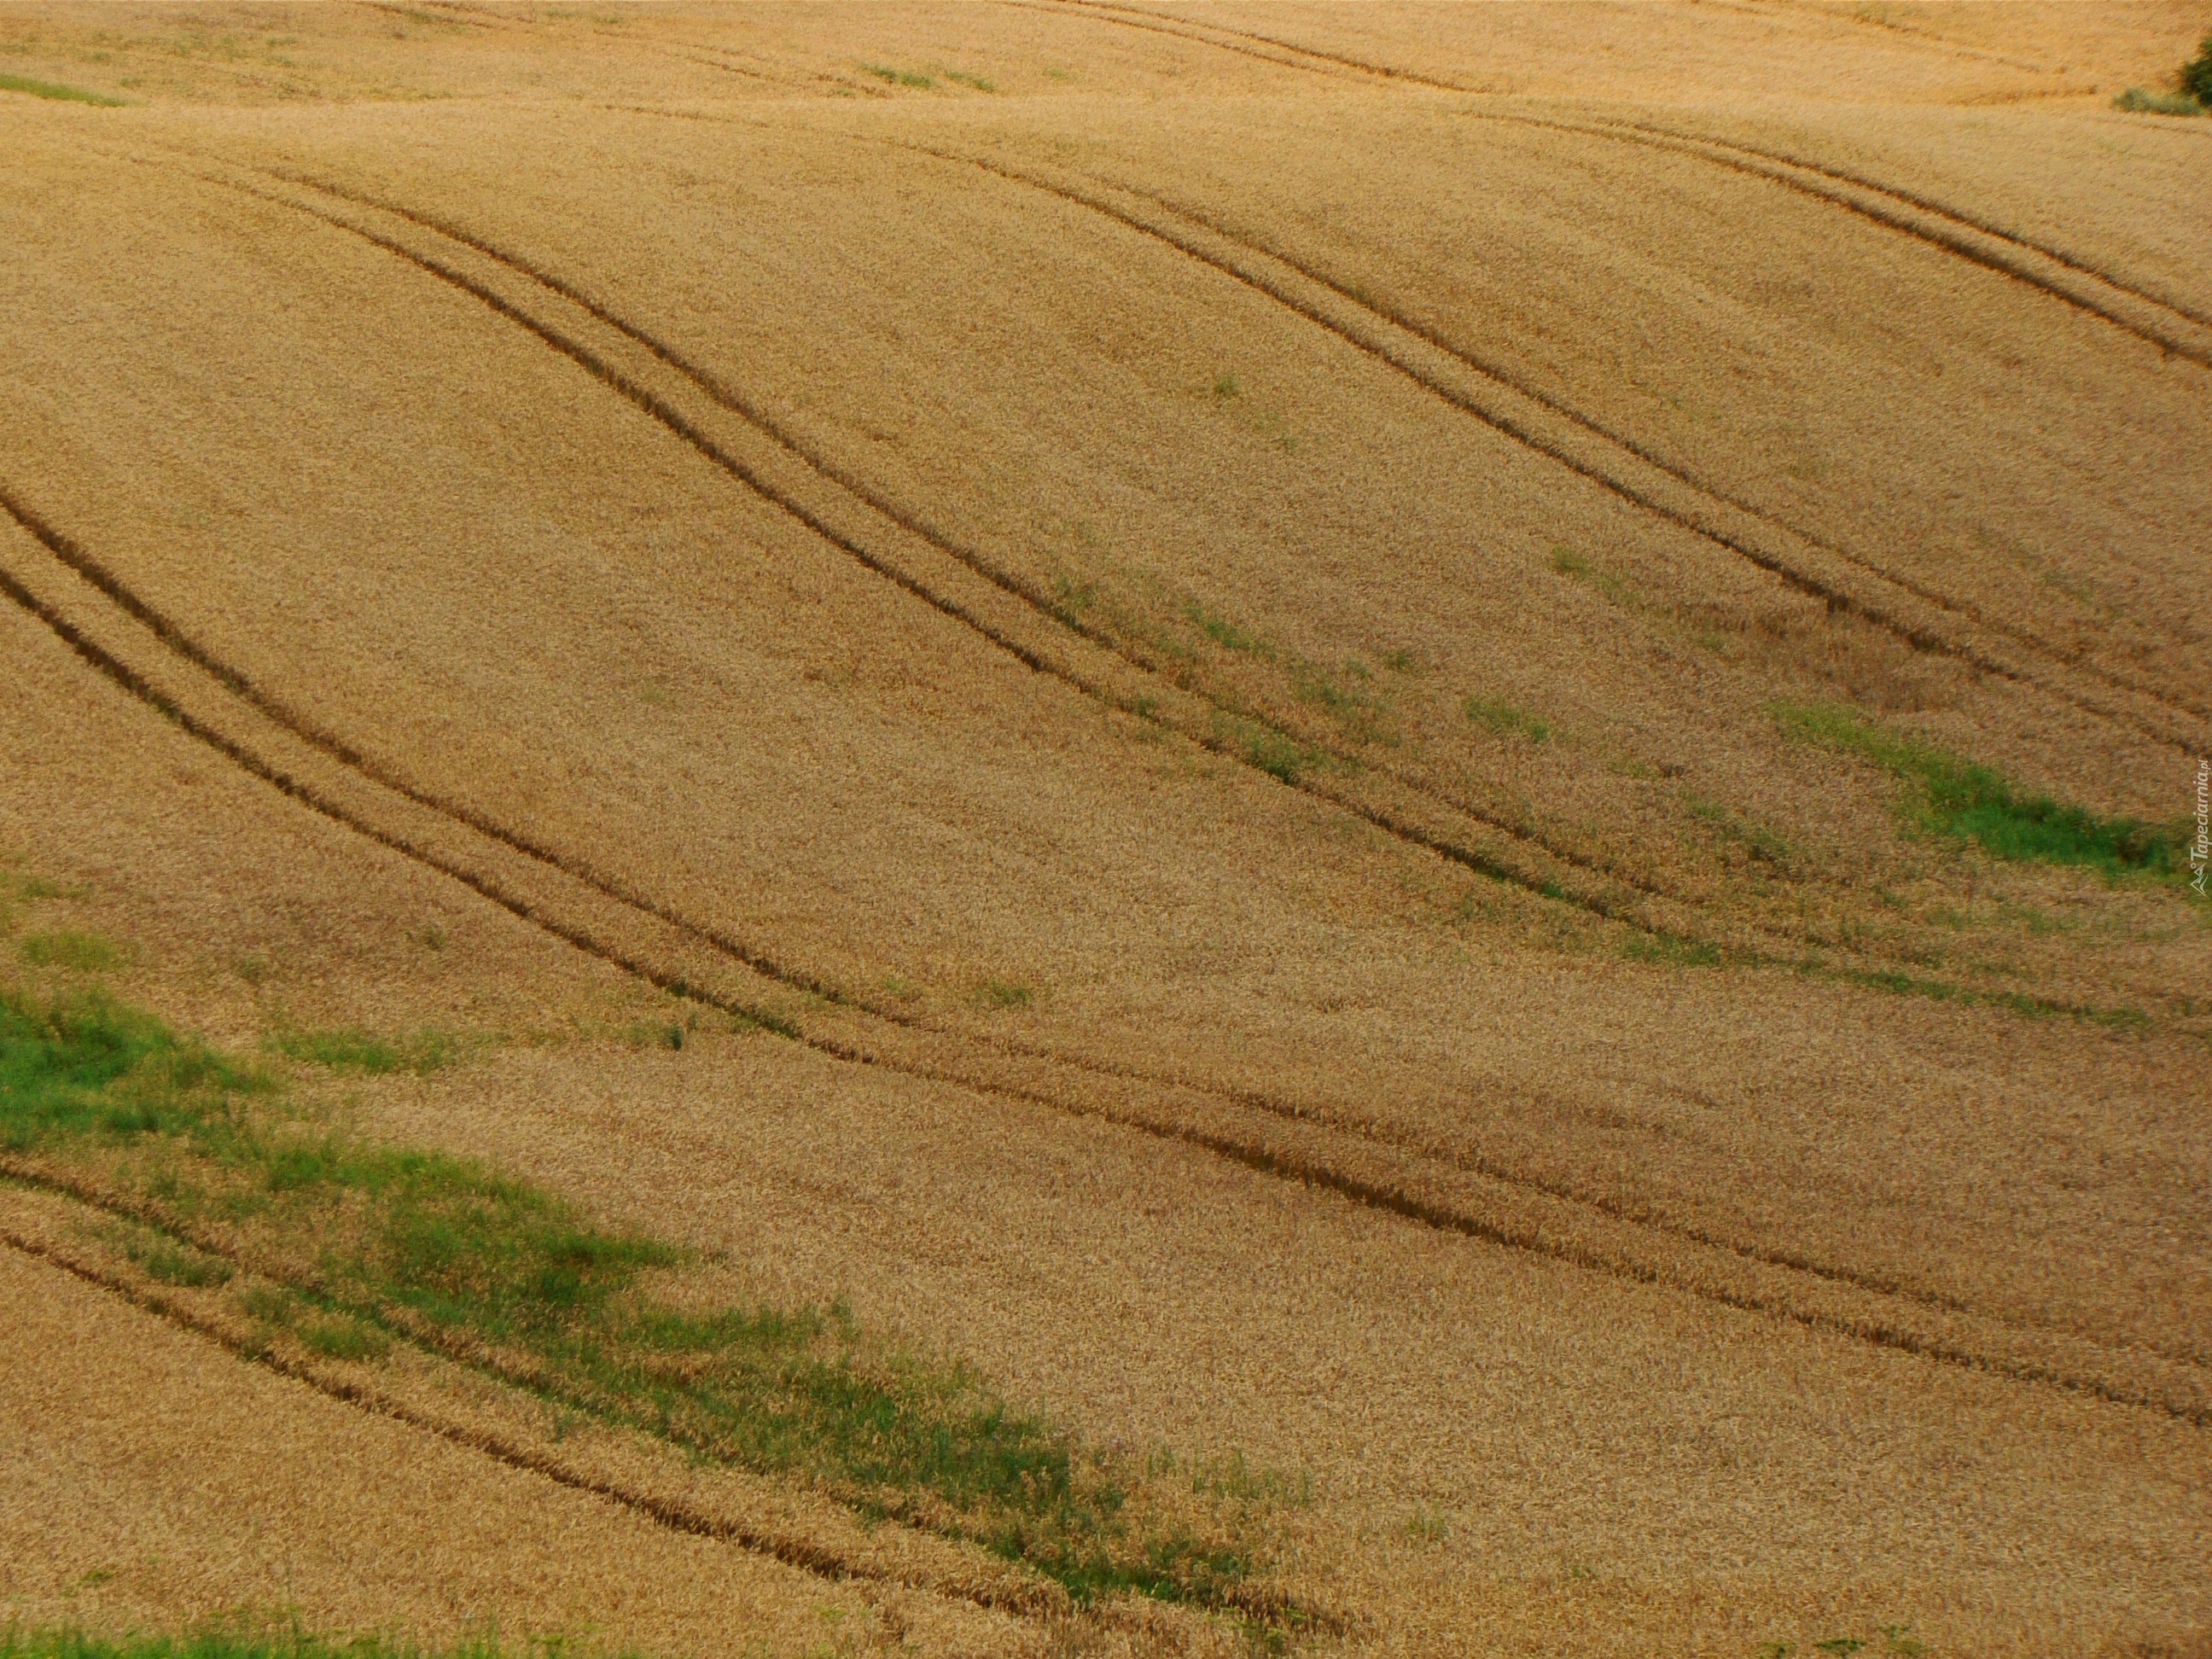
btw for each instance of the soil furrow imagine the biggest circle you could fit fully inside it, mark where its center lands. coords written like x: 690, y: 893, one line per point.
x: 1561, y: 1225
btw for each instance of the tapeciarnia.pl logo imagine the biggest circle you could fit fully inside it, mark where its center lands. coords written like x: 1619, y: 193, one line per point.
x: 2200, y: 850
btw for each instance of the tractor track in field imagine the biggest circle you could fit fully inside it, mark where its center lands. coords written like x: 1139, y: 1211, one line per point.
x: 1202, y: 221
x: 1695, y: 517
x: 1378, y: 1169
x: 1035, y: 605
x: 1891, y: 207
x: 1199, y: 219
x: 1616, y: 907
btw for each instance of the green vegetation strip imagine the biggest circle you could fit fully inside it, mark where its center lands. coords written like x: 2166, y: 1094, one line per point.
x: 365, y: 1244
x: 232, y: 1640
x: 1962, y: 801
x: 55, y: 90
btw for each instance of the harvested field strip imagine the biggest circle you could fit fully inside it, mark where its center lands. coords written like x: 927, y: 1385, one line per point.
x: 1779, y: 168
x: 1447, y: 1190
x: 356, y: 1245
x: 2054, y: 657
x: 1563, y: 437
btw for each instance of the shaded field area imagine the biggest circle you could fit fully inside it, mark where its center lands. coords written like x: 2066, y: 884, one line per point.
x: 1069, y: 828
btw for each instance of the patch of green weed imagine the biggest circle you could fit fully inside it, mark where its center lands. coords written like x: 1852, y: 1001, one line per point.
x: 1962, y: 801
x: 362, y: 1244
x: 2138, y: 101
x: 1003, y: 993
x: 166, y: 1261
x: 351, y: 1050
x: 1274, y: 752
x: 1505, y: 720
x: 1670, y: 951
x: 1571, y: 563
x: 1224, y: 633
x: 1756, y: 839
x: 83, y: 953
x: 56, y: 91
x: 898, y: 77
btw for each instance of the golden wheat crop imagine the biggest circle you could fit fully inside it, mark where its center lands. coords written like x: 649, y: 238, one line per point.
x: 1435, y: 764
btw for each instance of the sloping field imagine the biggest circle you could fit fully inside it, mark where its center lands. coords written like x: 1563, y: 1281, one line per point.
x: 1061, y: 828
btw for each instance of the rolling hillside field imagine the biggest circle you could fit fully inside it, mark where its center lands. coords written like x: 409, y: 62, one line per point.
x: 1065, y: 828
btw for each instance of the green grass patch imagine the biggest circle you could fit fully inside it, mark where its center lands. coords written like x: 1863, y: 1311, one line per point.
x: 1505, y: 721
x: 1936, y: 990
x: 1003, y: 993
x: 1274, y: 752
x: 1573, y: 564
x: 975, y: 82
x: 1670, y: 951
x: 1731, y: 826
x: 1224, y: 633
x: 166, y: 1261
x: 83, y: 953
x: 59, y: 93
x: 2138, y: 101
x: 238, y: 1638
x: 898, y: 77
x: 1962, y: 801
x: 351, y: 1050
x: 359, y: 1245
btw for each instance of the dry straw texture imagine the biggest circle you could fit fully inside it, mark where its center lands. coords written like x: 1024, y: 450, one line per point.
x: 1430, y: 766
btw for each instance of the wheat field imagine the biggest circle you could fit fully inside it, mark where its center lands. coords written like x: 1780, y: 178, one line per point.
x: 1044, y: 827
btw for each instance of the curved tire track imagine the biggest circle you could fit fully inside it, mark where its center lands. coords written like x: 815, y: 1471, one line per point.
x: 1522, y: 863
x: 1632, y: 906
x: 1700, y: 512
x: 2172, y: 328
x: 1506, y: 377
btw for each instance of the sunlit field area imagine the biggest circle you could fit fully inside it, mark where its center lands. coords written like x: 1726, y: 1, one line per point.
x: 1066, y: 829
